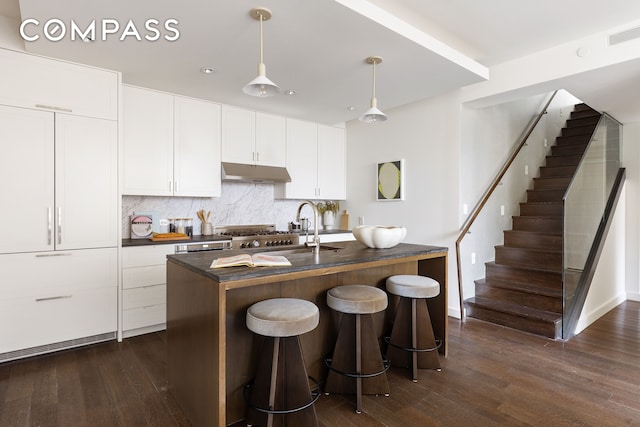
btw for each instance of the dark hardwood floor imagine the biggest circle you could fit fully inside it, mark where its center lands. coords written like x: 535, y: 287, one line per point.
x: 493, y: 376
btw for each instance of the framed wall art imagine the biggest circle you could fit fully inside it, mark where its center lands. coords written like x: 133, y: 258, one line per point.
x: 390, y: 176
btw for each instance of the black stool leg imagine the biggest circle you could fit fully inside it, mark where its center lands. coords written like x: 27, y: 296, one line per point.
x: 281, y: 383
x: 356, y: 364
x: 419, y: 336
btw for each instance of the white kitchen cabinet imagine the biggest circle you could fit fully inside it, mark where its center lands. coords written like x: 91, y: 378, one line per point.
x: 332, y: 166
x: 32, y: 81
x: 316, y: 161
x: 251, y: 137
x: 61, y: 184
x: 171, y: 145
x: 53, y: 300
x: 144, y: 277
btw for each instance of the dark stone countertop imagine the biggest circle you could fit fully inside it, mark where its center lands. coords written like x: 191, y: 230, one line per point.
x: 301, y: 258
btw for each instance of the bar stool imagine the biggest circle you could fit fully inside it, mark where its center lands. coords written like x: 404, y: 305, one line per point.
x: 412, y: 342
x: 281, y: 386
x: 357, y: 365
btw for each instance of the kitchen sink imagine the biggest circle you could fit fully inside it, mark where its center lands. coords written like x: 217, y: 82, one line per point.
x: 302, y: 250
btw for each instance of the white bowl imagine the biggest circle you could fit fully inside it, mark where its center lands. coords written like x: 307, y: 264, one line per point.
x: 379, y: 236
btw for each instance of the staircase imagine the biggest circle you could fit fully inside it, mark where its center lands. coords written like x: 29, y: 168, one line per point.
x: 523, y: 286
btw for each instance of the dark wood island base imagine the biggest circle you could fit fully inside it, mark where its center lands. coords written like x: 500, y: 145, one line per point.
x: 212, y: 354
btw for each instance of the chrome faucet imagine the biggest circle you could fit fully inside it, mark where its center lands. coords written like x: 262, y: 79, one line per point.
x: 316, y: 240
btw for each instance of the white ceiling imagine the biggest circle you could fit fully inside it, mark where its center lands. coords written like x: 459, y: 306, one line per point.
x: 318, y: 47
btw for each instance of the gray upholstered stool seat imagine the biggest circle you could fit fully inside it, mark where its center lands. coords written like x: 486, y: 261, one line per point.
x: 410, y: 286
x: 281, y: 387
x: 356, y: 366
x: 282, y: 317
x: 357, y: 299
x: 412, y: 342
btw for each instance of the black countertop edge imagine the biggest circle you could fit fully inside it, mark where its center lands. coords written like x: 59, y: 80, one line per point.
x: 194, y: 239
x: 213, y: 238
x: 351, y: 252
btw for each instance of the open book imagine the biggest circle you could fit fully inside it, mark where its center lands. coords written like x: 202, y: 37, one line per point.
x: 257, y: 260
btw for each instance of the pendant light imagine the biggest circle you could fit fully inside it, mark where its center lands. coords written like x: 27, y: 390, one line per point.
x: 373, y: 114
x: 261, y: 86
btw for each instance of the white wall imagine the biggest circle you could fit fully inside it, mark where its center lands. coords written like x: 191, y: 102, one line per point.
x: 427, y: 135
x: 631, y: 161
x: 608, y: 285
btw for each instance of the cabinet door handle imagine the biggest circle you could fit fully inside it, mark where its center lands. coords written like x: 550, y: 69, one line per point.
x: 49, y: 226
x: 53, y: 298
x: 175, y: 187
x: 59, y: 225
x: 54, y: 254
x: 170, y: 186
x: 257, y: 156
x: 53, y: 107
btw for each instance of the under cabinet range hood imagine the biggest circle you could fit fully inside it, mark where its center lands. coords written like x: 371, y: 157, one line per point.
x: 240, y: 172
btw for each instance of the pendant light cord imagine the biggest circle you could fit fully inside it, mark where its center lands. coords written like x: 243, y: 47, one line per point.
x: 261, y: 50
x: 374, y: 80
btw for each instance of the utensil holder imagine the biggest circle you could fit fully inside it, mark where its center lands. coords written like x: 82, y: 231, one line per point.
x: 206, y: 229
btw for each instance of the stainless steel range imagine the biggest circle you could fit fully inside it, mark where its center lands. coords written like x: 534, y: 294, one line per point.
x: 255, y: 236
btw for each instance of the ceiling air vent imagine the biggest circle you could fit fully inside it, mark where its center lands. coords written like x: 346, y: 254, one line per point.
x: 624, y: 36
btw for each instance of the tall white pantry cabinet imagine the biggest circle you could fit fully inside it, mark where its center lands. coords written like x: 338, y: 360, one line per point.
x: 58, y: 252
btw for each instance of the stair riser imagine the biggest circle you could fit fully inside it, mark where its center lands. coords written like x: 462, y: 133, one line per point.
x: 578, y: 130
x: 533, y: 240
x: 582, y: 110
x: 570, y: 160
x: 541, y: 209
x: 529, y: 258
x: 549, y: 279
x: 540, y: 302
x: 545, y: 329
x: 553, y: 183
x: 547, y: 172
x: 582, y: 121
x: 572, y: 140
x: 540, y: 224
x: 545, y: 196
x: 564, y: 150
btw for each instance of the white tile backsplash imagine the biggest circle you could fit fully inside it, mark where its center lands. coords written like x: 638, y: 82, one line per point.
x: 240, y: 204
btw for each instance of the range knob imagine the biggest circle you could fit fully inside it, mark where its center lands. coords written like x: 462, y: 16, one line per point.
x: 255, y: 243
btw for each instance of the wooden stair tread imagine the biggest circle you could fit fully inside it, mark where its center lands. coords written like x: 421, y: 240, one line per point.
x: 521, y: 287
x: 516, y: 310
x: 521, y: 268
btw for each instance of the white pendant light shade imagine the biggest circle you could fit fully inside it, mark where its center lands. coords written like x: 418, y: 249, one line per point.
x: 261, y: 86
x: 373, y: 114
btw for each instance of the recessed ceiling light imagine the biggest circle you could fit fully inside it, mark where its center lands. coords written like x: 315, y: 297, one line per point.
x: 208, y: 70
x: 351, y: 108
x: 289, y: 92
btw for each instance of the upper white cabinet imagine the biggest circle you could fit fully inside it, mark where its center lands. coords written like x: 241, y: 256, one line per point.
x: 316, y: 161
x: 61, y: 181
x: 251, y: 137
x: 34, y: 82
x: 171, y: 145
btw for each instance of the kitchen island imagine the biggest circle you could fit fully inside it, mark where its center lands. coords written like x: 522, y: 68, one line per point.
x: 210, y: 352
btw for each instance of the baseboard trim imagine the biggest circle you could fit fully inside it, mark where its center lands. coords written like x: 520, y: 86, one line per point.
x: 49, y: 348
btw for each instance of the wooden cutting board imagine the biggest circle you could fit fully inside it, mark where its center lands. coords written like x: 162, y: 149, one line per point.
x: 169, y: 238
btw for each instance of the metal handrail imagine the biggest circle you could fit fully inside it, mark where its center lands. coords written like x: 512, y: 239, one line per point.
x: 485, y: 198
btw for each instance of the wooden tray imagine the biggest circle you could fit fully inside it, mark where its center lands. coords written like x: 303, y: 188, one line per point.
x: 167, y: 239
